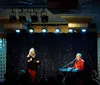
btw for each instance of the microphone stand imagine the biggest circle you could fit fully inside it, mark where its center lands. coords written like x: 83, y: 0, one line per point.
x: 69, y: 63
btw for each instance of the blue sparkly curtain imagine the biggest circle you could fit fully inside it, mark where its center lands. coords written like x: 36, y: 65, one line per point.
x: 53, y: 50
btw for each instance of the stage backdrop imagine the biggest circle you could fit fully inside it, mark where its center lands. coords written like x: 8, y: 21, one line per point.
x: 53, y: 50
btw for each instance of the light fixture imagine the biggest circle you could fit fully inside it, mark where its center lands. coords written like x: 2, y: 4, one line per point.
x: 44, y: 30
x: 70, y: 30
x: 34, y: 17
x: 83, y: 30
x: 12, y: 16
x: 44, y: 17
x: 17, y: 31
x: 31, y: 30
x: 57, y: 30
x: 22, y: 18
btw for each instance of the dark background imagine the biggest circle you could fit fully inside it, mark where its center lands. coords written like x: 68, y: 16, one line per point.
x: 23, y: 3
x: 55, y: 4
x: 53, y: 50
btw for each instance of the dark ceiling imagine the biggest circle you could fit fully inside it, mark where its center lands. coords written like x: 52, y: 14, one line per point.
x: 55, y: 6
x: 44, y: 3
x: 23, y: 3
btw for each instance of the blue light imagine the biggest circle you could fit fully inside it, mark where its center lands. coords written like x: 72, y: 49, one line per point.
x: 44, y: 30
x: 31, y: 30
x: 57, y: 30
x: 17, y: 31
x: 70, y: 30
x: 83, y: 30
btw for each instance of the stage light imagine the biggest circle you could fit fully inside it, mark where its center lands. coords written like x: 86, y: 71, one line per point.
x: 83, y: 30
x: 44, y: 18
x: 31, y: 30
x: 57, y: 30
x: 34, y: 18
x: 44, y: 30
x: 22, y: 18
x: 70, y: 30
x: 17, y: 31
x: 13, y: 18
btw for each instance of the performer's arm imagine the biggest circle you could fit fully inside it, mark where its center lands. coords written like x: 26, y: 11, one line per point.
x: 28, y: 56
x: 29, y: 60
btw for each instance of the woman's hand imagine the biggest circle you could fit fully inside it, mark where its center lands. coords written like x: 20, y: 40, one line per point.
x: 29, y: 60
x: 37, y: 61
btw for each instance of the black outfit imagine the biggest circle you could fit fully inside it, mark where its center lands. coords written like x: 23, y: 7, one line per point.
x: 32, y: 64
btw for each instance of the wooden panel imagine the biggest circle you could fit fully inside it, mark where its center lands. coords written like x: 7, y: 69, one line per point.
x: 13, y: 26
x: 75, y: 25
x: 77, y: 19
x: 64, y: 29
x: 6, y: 21
x: 2, y: 35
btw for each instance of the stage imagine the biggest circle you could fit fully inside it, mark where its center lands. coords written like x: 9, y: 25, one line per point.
x: 52, y: 50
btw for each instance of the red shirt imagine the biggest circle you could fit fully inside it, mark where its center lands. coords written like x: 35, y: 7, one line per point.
x: 79, y: 64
